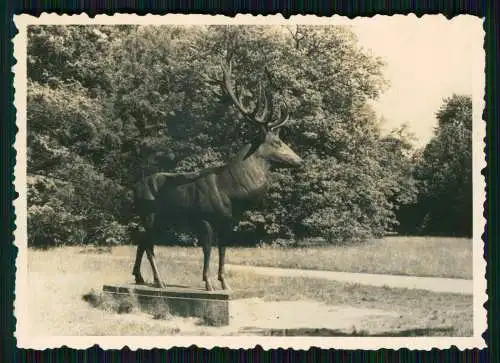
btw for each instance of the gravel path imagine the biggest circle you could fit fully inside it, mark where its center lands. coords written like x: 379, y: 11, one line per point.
x: 435, y: 284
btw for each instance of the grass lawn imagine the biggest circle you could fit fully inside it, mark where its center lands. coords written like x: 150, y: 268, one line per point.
x: 414, y: 256
x: 59, y: 278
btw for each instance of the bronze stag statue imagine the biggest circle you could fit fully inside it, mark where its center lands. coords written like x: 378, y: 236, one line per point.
x: 207, y: 202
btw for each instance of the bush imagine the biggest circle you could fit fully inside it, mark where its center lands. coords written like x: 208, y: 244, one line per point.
x: 111, y: 234
x: 51, y: 225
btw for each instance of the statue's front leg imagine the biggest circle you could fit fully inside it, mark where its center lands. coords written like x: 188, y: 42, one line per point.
x: 206, y: 239
x: 222, y: 260
x: 207, y: 250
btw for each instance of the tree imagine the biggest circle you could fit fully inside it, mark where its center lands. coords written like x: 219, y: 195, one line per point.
x: 444, y: 172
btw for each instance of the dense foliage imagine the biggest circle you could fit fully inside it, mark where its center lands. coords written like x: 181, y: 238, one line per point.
x: 109, y: 105
x: 443, y: 172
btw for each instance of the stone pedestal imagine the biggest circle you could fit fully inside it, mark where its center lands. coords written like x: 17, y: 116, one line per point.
x: 212, y: 307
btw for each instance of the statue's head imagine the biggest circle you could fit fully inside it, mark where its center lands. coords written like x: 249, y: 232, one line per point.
x: 271, y: 147
x: 274, y: 150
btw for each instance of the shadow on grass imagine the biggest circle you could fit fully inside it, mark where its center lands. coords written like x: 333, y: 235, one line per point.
x: 324, y: 332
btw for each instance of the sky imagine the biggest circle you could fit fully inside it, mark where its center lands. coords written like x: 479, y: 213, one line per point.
x: 427, y: 60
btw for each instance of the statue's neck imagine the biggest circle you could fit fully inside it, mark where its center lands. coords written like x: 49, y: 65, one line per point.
x: 253, y: 166
x: 247, y: 175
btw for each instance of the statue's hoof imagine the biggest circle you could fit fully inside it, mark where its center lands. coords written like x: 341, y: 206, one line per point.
x: 160, y: 285
x: 139, y: 281
x: 209, y: 287
x: 225, y: 286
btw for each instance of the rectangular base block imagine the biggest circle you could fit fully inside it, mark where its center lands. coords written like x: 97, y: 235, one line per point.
x: 212, y: 307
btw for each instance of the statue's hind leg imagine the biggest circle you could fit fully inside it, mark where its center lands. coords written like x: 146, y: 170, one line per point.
x: 150, y: 253
x: 139, y: 239
x: 145, y: 241
x: 151, y: 257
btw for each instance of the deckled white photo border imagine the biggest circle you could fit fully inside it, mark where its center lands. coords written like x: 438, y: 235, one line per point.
x: 149, y: 342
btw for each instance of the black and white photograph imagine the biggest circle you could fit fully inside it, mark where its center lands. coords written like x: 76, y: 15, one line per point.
x: 252, y: 180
